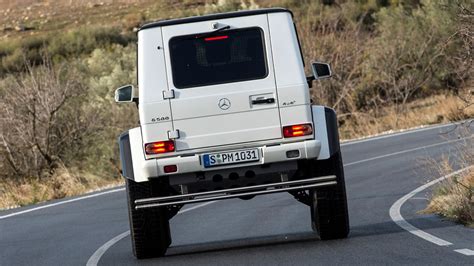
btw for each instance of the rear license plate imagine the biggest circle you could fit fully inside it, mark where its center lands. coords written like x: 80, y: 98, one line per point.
x: 222, y: 158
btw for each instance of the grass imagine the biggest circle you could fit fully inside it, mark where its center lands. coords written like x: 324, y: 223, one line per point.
x: 63, y: 183
x: 454, y: 199
x: 427, y: 111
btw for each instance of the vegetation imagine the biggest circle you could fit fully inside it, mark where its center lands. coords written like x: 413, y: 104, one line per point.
x: 454, y: 197
x: 397, y: 64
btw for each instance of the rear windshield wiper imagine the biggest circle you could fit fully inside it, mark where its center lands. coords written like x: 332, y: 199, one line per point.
x: 212, y: 32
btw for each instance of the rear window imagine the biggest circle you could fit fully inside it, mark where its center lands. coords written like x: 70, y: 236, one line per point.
x: 223, y: 57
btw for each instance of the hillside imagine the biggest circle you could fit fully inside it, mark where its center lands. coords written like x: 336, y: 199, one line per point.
x: 25, y: 18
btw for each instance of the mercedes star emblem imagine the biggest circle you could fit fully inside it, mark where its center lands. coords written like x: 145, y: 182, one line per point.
x: 224, y: 104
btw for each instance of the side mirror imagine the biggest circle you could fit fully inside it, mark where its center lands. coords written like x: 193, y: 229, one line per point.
x: 124, y: 94
x: 321, y: 70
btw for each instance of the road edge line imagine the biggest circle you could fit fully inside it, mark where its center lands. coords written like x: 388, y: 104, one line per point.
x: 409, y: 150
x: 396, y: 216
x: 399, y: 133
x: 61, y: 202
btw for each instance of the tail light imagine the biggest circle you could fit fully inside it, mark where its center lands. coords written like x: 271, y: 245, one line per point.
x: 159, y: 147
x: 297, y: 130
x: 216, y: 38
x: 170, y: 168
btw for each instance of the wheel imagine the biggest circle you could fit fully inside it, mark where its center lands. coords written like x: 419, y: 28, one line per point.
x: 149, y: 228
x: 329, y: 215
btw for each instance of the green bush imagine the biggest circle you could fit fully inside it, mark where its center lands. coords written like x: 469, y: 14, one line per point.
x: 411, y: 52
x: 105, y: 70
x: 84, y: 41
x: 59, y: 46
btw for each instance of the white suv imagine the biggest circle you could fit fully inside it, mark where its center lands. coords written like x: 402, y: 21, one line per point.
x: 225, y: 112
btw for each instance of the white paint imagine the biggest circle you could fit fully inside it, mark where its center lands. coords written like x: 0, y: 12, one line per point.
x: 396, y: 216
x: 94, y: 259
x: 465, y: 251
x: 142, y: 168
x: 241, y: 121
x: 409, y: 150
x: 61, y: 203
x: 320, y: 131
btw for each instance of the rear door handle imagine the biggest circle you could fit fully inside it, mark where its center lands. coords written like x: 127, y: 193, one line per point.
x: 263, y: 101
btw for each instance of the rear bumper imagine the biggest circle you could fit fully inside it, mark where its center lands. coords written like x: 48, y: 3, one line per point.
x: 144, y: 169
x: 308, y: 149
x: 137, y: 167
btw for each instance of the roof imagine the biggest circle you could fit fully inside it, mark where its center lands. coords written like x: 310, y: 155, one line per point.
x: 213, y: 17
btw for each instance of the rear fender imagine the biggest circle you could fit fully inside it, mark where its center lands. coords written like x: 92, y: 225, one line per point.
x: 132, y: 157
x: 326, y: 130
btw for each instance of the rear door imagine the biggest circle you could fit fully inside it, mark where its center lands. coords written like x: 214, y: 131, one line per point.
x: 222, y: 83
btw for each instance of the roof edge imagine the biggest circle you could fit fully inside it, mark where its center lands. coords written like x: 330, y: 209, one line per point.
x: 234, y: 14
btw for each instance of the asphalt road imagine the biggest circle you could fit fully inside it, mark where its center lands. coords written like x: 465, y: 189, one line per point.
x: 267, y: 230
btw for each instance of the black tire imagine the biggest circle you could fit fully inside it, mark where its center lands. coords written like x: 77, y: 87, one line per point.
x: 149, y: 228
x: 329, y: 215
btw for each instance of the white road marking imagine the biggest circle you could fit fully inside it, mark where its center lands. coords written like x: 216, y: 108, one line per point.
x: 408, y: 131
x: 61, y: 202
x: 94, y: 259
x: 409, y: 150
x: 465, y: 251
x: 400, y: 221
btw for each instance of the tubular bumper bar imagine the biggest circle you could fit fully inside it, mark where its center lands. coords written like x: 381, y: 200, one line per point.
x: 236, y: 192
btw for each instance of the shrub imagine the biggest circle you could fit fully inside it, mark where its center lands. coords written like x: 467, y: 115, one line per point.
x: 42, y: 119
x: 411, y: 53
x: 65, y: 114
x: 61, y: 47
x: 107, y: 69
x: 454, y: 199
x: 84, y: 41
x: 330, y: 34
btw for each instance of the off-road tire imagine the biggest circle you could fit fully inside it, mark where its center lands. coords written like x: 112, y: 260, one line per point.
x: 329, y: 215
x: 149, y: 228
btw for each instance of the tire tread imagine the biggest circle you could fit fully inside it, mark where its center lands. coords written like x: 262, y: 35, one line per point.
x: 149, y: 228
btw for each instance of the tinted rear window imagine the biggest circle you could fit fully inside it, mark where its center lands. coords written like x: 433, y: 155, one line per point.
x: 227, y: 56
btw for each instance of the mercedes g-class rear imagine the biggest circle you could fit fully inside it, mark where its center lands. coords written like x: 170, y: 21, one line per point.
x: 225, y: 112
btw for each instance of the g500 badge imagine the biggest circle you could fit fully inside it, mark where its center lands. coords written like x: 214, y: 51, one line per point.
x: 160, y: 119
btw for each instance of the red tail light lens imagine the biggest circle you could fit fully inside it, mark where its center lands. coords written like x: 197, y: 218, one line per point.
x: 216, y: 38
x: 297, y: 130
x: 170, y: 168
x: 159, y: 147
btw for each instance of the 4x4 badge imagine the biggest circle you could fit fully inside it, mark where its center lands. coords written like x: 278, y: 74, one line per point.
x: 224, y: 104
